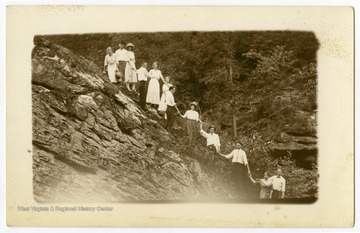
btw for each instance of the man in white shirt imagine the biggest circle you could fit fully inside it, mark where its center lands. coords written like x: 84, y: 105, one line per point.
x: 278, y: 185
x: 142, y: 75
x: 121, y: 58
x: 239, y: 164
x: 212, y: 143
x: 170, y: 109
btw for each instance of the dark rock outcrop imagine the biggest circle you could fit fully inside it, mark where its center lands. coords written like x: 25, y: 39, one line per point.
x: 92, y: 143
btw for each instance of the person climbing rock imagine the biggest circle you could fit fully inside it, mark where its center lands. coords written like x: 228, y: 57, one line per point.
x: 265, y: 186
x: 192, y: 120
x: 110, y: 66
x: 121, y: 59
x: 153, y: 93
x: 278, y: 185
x: 142, y: 75
x: 212, y: 143
x: 239, y: 166
x: 130, y: 68
x: 162, y: 104
x: 170, y: 109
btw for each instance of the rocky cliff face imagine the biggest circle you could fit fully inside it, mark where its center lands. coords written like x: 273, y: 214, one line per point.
x: 92, y: 143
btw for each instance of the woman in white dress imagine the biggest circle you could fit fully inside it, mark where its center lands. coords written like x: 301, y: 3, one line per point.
x: 130, y: 69
x: 153, y: 94
x: 110, y: 65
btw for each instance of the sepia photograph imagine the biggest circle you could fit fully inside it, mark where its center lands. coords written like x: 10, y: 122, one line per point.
x: 199, y: 117
x: 175, y: 116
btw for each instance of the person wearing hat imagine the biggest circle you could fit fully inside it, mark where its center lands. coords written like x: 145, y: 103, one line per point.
x: 110, y: 66
x: 239, y: 166
x: 192, y: 119
x: 121, y: 58
x: 170, y: 109
x: 212, y: 142
x: 278, y: 185
x: 130, y: 69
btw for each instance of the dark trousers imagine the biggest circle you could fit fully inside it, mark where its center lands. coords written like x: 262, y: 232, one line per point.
x: 240, y: 177
x: 211, y: 151
x: 170, y: 114
x: 121, y: 67
x: 276, y: 194
x: 142, y: 91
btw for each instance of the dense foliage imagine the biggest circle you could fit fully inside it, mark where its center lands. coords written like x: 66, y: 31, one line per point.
x: 267, y: 79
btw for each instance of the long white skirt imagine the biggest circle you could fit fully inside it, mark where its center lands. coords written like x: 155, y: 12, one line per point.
x: 130, y: 72
x: 111, y: 69
x: 153, y: 94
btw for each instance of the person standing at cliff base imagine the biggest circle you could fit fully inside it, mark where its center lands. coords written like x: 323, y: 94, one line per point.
x: 142, y: 75
x: 121, y: 59
x: 265, y: 186
x: 170, y: 109
x: 212, y: 143
x: 239, y: 167
x: 278, y: 185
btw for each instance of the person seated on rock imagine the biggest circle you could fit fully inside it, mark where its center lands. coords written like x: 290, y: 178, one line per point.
x: 212, y: 143
x: 278, y: 185
x: 192, y: 120
x: 265, y: 185
x: 110, y: 66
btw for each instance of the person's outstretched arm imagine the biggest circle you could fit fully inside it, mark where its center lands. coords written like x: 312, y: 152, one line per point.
x: 229, y: 155
x: 252, y: 180
x: 202, y: 132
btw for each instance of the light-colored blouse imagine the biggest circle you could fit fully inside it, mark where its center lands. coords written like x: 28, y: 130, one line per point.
x: 155, y: 74
x: 191, y: 115
x: 110, y: 59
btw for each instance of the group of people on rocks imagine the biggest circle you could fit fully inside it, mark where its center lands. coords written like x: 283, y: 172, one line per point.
x: 120, y: 67
x: 270, y: 187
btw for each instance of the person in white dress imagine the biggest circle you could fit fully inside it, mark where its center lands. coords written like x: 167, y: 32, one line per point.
x: 110, y: 66
x: 153, y: 93
x: 130, y: 69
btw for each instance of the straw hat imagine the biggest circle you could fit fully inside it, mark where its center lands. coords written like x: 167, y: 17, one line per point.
x: 194, y: 103
x: 129, y: 45
x: 211, y: 127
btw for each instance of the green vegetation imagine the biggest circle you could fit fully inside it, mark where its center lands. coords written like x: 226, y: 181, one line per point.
x: 268, y: 80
